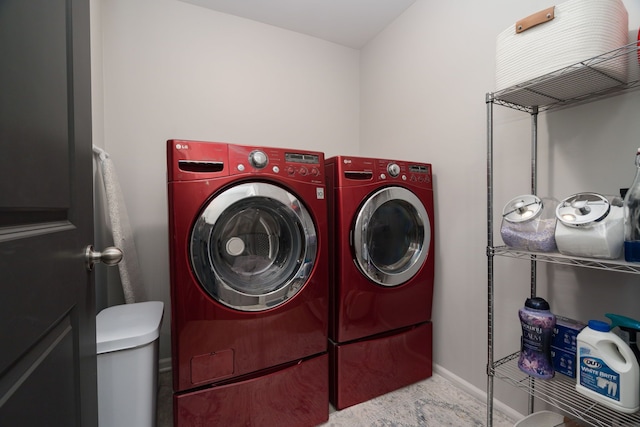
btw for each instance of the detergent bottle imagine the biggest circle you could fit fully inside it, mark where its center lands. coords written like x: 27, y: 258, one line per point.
x: 608, y: 370
x: 628, y: 331
x: 537, y: 332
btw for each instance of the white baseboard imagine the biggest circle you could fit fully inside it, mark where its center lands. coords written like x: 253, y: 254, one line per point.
x: 476, y: 392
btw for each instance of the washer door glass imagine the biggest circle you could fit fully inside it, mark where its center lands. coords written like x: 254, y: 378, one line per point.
x: 253, y: 246
x: 391, y: 236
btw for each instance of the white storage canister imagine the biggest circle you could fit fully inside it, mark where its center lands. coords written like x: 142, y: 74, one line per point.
x: 127, y: 347
x: 528, y: 223
x: 590, y: 226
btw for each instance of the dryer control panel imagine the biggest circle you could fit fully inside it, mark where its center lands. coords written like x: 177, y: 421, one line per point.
x: 359, y: 170
x: 402, y: 170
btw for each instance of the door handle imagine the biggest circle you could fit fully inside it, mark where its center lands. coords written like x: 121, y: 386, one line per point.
x: 110, y: 256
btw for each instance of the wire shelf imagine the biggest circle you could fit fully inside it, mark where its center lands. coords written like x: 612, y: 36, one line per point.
x: 557, y: 258
x: 560, y: 392
x: 606, y: 75
x: 598, y: 77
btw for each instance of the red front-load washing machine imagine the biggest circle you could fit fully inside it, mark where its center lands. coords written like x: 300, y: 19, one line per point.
x: 249, y: 285
x: 382, y: 228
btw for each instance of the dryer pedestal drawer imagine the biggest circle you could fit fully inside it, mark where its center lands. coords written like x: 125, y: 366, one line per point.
x: 372, y: 367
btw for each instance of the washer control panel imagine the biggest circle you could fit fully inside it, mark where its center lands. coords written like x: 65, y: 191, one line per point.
x: 305, y: 166
x: 189, y: 160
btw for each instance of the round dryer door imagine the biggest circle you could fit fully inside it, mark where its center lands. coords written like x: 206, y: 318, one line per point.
x: 391, y: 236
x: 253, y: 246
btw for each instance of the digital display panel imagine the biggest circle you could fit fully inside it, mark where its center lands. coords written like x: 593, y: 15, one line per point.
x: 419, y: 169
x: 302, y: 158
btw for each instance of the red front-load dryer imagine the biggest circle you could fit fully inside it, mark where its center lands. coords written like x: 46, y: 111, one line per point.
x: 382, y: 228
x: 249, y: 285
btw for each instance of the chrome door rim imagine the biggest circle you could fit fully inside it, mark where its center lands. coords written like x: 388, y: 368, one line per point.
x: 276, y: 203
x: 413, y: 261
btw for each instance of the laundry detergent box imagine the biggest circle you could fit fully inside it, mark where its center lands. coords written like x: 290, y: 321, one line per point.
x: 564, y: 362
x: 565, y: 333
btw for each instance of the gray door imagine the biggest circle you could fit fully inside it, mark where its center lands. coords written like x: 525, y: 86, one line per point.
x: 47, y: 301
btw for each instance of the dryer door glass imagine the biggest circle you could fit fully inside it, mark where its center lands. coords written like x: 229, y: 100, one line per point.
x: 391, y: 236
x: 253, y: 246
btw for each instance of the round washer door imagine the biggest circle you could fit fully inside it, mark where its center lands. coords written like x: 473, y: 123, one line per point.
x: 253, y: 246
x: 391, y: 236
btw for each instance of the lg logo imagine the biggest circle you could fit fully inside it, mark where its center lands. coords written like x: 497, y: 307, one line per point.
x: 182, y: 147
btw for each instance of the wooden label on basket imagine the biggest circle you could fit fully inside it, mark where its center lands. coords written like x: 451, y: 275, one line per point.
x: 535, y: 19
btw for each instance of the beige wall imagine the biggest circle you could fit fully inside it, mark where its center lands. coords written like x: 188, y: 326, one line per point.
x: 175, y: 70
x: 423, y: 86
x: 417, y: 91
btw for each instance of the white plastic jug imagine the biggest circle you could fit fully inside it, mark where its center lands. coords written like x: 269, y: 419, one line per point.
x: 607, y: 371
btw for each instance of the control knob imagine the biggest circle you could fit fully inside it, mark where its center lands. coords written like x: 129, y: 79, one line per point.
x: 258, y: 159
x: 393, y: 169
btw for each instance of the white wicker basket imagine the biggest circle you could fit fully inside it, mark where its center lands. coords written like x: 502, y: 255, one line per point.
x: 558, y: 37
x: 541, y: 419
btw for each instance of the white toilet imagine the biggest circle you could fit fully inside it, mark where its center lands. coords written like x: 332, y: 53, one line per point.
x: 127, y: 347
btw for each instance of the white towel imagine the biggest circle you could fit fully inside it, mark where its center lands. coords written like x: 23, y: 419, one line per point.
x: 121, y: 230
